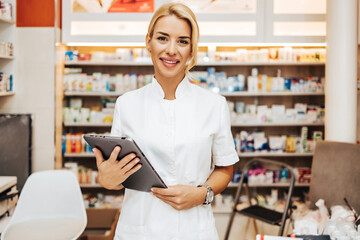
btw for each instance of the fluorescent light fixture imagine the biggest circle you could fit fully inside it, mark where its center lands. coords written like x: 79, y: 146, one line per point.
x: 234, y: 44
x: 106, y: 44
x: 229, y: 44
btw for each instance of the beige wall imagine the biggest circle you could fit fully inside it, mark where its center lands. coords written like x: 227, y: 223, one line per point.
x: 35, y: 90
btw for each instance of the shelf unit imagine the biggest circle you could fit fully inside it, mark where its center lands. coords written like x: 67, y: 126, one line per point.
x: 6, y: 57
x: 87, y: 124
x: 7, y: 34
x: 233, y: 125
x: 288, y: 69
x: 269, y: 94
x: 231, y: 185
x: 270, y: 185
x: 274, y: 154
x: 233, y: 94
x: 285, y: 124
x: 91, y: 94
x: 219, y: 63
x: 245, y: 154
x: 79, y: 155
x: 2, y: 94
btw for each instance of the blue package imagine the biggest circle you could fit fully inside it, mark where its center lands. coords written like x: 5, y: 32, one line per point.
x: 63, y: 143
x: 236, y: 177
x: 69, y: 56
x: 287, y: 84
x: 283, y: 175
x: 11, y: 83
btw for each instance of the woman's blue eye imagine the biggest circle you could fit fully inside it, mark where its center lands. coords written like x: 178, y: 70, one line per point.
x: 183, y: 42
x: 161, y: 38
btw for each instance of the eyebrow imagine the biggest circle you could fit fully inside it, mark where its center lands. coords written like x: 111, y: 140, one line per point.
x: 166, y: 34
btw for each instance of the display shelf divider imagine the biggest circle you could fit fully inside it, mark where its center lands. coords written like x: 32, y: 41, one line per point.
x: 79, y: 155
x: 2, y: 94
x: 277, y: 124
x: 6, y: 57
x: 91, y: 94
x: 106, y: 63
x: 274, y: 154
x: 149, y: 63
x: 254, y: 94
x: 87, y: 124
x: 235, y: 185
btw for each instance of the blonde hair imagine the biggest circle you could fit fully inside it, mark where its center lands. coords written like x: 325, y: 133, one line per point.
x: 181, y: 11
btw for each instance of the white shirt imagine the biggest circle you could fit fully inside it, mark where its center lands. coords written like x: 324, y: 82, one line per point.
x: 183, y: 139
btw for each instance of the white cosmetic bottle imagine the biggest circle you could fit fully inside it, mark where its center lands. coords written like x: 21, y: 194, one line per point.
x: 252, y: 81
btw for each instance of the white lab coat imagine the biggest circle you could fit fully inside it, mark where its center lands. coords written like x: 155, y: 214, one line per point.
x: 183, y: 139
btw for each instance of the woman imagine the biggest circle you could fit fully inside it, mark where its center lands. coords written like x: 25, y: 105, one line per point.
x: 183, y: 130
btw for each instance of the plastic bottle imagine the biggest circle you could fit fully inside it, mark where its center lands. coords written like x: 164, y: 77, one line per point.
x: 252, y: 81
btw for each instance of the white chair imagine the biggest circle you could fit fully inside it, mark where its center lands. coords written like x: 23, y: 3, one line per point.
x: 50, y: 207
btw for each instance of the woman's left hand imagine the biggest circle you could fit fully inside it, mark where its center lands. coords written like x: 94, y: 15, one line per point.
x: 181, y: 197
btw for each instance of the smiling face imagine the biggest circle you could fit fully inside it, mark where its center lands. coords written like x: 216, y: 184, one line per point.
x: 170, y: 48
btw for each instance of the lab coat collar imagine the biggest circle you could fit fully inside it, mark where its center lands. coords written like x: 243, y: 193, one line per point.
x: 181, y: 89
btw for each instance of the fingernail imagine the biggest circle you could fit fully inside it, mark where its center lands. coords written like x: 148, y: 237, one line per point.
x: 117, y: 148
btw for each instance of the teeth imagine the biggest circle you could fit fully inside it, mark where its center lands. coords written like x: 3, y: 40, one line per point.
x: 169, y: 61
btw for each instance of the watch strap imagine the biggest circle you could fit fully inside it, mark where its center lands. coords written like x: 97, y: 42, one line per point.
x: 209, y: 193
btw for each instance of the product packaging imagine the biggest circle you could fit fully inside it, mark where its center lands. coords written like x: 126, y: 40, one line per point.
x: 252, y: 83
x: 303, y: 139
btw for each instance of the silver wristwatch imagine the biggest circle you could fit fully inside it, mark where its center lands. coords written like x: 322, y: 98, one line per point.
x: 209, y: 195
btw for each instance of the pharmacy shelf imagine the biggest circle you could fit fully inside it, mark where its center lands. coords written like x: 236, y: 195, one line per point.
x: 233, y: 125
x: 235, y: 185
x: 148, y: 63
x: 92, y: 94
x: 87, y: 124
x: 255, y: 94
x: 228, y: 63
x: 106, y: 63
x: 2, y: 94
x: 6, y: 57
x: 233, y: 94
x: 6, y: 20
x: 285, y: 124
x: 274, y: 154
x: 246, y: 154
x: 79, y: 155
x: 231, y: 185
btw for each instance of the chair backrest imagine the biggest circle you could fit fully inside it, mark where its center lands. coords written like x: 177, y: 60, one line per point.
x: 336, y: 174
x: 47, y: 196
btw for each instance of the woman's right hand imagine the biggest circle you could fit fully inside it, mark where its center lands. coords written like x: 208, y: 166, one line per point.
x: 112, y: 173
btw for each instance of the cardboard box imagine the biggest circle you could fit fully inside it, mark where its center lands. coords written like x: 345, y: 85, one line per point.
x: 101, y: 223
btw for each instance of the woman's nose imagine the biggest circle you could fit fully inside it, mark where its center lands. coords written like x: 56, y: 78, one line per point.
x: 171, y: 48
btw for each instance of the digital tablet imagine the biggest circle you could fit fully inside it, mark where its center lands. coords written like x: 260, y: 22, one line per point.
x: 143, y: 179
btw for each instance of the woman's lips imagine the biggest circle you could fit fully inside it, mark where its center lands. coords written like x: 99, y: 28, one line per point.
x: 169, y: 62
